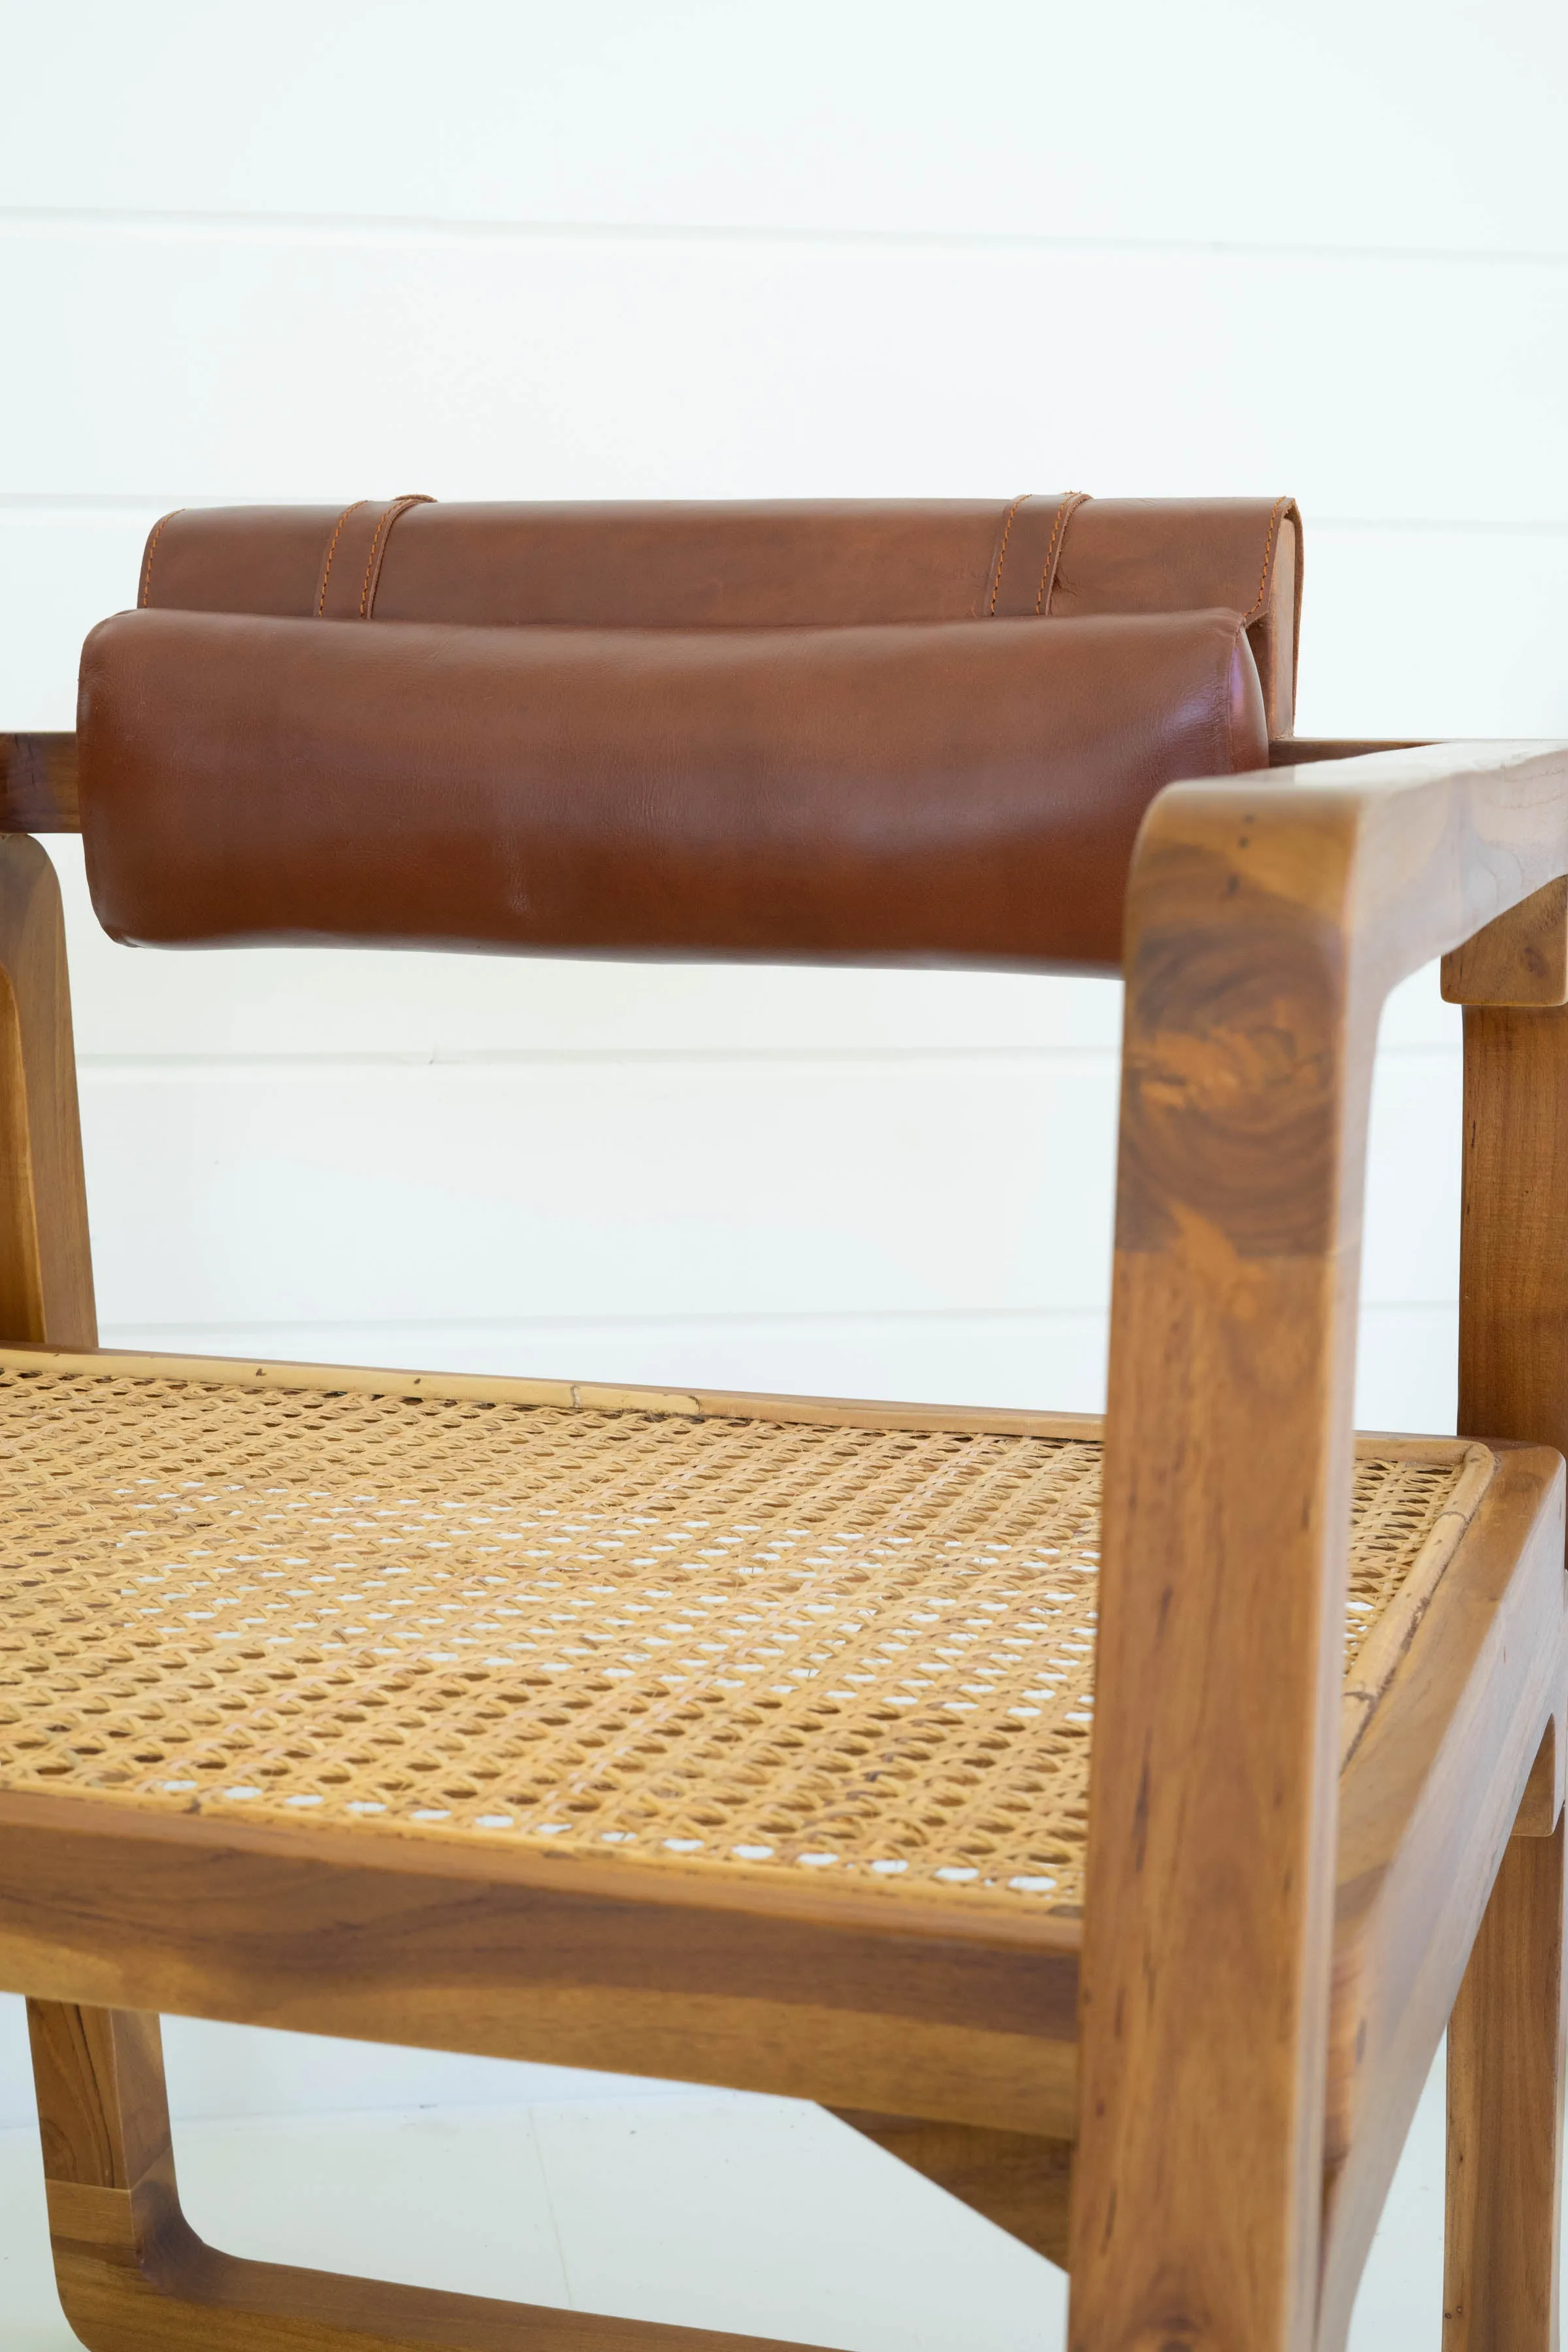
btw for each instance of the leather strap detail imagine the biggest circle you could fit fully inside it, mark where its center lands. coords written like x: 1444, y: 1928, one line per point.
x: 1282, y: 509
x: 1065, y: 513
x: 352, y: 560
x: 1030, y: 552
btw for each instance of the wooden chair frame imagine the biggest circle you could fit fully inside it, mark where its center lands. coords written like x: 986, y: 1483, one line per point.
x: 1268, y: 922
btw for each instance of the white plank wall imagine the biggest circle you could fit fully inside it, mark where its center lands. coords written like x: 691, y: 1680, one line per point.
x: 688, y: 247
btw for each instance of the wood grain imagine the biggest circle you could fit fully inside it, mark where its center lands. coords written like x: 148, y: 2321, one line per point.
x: 47, y: 1296
x: 1505, y: 2115
x: 1219, y: 2070
x: 1225, y: 1535
x: 1505, y: 2040
x: 38, y: 784
x: 108, y: 1907
x: 1519, y: 959
x: 134, y: 2277
x: 1513, y: 1234
x: 46, y: 1268
x: 1265, y: 929
x: 1425, y: 1813
x: 100, y: 2079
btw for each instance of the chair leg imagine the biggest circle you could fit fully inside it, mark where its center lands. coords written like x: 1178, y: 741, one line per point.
x: 133, y: 2276
x: 1505, y: 2113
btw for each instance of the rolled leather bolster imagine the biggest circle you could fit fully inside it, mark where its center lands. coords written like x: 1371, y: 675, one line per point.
x: 921, y: 793
x: 723, y: 563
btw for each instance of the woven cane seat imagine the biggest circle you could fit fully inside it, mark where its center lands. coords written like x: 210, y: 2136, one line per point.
x: 739, y: 1640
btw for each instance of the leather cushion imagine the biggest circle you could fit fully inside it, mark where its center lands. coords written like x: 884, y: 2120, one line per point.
x: 747, y: 564
x: 916, y: 794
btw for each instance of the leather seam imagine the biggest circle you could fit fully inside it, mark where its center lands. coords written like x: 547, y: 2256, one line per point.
x: 151, y: 550
x: 1261, y: 600
x: 383, y: 533
x: 1068, y: 507
x: 332, y: 550
x: 370, y: 561
x: 1002, y: 551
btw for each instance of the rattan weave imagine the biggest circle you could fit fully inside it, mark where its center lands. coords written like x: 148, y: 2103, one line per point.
x: 735, y: 1643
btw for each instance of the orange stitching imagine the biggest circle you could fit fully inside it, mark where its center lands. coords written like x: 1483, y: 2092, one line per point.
x: 1069, y: 505
x: 386, y: 513
x: 1274, y: 521
x: 332, y: 550
x: 383, y: 528
x: 1002, y: 551
x: 151, y: 549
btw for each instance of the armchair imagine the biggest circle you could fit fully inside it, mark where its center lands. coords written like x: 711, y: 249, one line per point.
x: 747, y: 1739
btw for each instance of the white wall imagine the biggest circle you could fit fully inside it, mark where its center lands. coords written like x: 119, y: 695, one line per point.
x: 658, y: 247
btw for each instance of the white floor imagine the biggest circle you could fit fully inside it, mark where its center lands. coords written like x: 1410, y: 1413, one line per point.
x: 755, y: 2215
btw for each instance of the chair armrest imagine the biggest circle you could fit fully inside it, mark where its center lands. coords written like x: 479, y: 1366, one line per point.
x: 1268, y: 917
x: 37, y: 784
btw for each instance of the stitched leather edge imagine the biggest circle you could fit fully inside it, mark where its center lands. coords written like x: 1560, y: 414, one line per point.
x: 1002, y: 551
x: 332, y: 550
x: 1260, y: 604
x: 1065, y: 512
x: 377, y: 555
x: 159, y: 528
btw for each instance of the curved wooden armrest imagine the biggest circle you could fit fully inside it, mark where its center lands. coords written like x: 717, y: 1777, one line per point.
x: 1269, y: 916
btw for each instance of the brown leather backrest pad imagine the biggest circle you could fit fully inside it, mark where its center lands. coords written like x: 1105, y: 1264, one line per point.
x: 747, y: 565
x: 921, y: 793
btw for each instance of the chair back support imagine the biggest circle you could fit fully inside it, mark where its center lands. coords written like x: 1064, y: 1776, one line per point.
x: 830, y: 731
x: 747, y: 565
x: 925, y: 793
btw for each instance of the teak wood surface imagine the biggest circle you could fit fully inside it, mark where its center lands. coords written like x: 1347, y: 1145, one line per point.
x: 1265, y: 927
x: 38, y: 784
x: 1237, y: 2033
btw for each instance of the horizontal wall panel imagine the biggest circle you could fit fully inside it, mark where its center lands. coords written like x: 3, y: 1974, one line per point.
x: 290, y: 1193
x: 1052, y: 1362
x: 1415, y: 1018
x: 1433, y: 631
x: 1211, y: 121
x: 555, y: 1189
x: 269, y: 362
x: 1407, y: 1367
x: 63, y: 566
x: 1411, y: 1248
x: 1051, y: 1359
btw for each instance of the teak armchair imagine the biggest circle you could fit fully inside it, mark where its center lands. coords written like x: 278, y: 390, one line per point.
x: 745, y: 1740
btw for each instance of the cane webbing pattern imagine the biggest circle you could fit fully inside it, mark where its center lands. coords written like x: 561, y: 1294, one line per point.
x: 723, y: 1644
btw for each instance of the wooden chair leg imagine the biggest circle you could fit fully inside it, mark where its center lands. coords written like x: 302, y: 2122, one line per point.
x: 133, y: 2276
x: 1505, y: 2113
